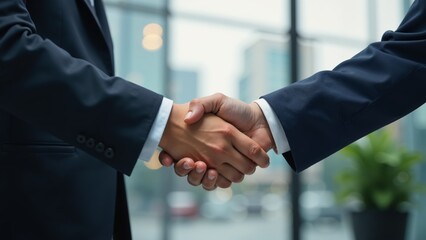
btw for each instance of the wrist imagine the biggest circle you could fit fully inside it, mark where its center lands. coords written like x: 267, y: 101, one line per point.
x: 174, y: 124
x: 262, y: 123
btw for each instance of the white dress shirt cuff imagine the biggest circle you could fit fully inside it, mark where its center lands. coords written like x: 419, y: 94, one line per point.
x: 157, y: 130
x: 280, y: 139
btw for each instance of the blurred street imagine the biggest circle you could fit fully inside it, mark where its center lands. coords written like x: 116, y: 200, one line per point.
x: 252, y: 228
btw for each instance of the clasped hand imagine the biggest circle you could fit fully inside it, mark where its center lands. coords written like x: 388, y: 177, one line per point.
x: 220, y: 140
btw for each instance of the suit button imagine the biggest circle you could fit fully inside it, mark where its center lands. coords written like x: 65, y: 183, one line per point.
x: 90, y: 143
x: 109, y: 153
x: 100, y: 147
x: 81, y: 139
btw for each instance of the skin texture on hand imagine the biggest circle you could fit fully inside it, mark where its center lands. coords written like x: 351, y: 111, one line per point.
x: 248, y: 118
x: 196, y: 171
x: 212, y: 140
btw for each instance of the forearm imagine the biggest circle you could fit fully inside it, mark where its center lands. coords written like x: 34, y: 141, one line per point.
x: 331, y: 109
x: 44, y: 85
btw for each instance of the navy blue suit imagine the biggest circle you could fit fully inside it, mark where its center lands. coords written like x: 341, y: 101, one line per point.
x: 379, y: 85
x: 69, y: 129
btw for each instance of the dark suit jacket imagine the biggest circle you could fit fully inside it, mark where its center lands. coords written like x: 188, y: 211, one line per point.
x: 382, y: 83
x: 68, y: 127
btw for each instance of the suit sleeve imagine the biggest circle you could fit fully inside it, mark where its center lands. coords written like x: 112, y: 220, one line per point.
x: 69, y: 97
x: 331, y: 109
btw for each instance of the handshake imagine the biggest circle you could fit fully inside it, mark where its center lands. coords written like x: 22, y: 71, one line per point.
x: 216, y: 140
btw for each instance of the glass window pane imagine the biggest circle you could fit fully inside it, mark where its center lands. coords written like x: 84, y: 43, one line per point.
x: 139, y: 57
x: 268, y: 14
x: 340, y: 18
x: 239, y: 48
x: 244, y: 63
x: 340, y: 30
x: 215, y: 52
x: 149, y: 3
x: 390, y: 18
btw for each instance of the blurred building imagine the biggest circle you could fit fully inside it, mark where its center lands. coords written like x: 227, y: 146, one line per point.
x: 413, y: 129
x: 210, y: 38
x: 183, y: 85
x: 138, y: 47
x: 265, y: 69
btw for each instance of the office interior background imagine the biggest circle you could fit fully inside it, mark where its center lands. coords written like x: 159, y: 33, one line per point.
x: 192, y: 48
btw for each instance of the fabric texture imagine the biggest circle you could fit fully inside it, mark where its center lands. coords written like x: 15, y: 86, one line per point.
x: 331, y: 109
x: 69, y: 128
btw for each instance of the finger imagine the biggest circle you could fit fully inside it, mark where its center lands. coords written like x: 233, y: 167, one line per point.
x: 241, y: 163
x: 165, y: 159
x: 210, y: 189
x: 195, y: 113
x: 222, y: 182
x: 209, y: 180
x: 237, y: 157
x: 196, y: 176
x: 250, y: 149
x: 184, y: 166
x: 230, y: 173
x: 199, y: 106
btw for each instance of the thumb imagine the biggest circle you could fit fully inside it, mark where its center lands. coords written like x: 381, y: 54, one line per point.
x: 165, y: 159
x: 199, y: 106
x: 195, y: 112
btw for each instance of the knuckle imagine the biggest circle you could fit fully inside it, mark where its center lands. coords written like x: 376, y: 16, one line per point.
x: 219, y: 149
x: 219, y: 95
x: 227, y: 130
x: 254, y: 150
x: 195, y: 101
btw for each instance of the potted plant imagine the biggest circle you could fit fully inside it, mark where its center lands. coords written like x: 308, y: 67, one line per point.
x: 381, y: 181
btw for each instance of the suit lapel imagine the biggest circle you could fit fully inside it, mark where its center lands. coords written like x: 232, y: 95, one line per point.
x: 92, y: 12
x: 102, y: 18
x: 99, y: 17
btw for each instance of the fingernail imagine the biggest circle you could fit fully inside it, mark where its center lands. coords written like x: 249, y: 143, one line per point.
x: 188, y: 115
x: 199, y: 169
x: 211, y: 177
x: 186, y: 166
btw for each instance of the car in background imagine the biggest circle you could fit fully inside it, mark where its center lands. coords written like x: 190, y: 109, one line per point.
x: 223, y: 205
x: 182, y: 204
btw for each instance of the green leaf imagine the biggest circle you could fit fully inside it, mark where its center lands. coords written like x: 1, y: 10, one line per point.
x: 382, y: 172
x: 382, y: 198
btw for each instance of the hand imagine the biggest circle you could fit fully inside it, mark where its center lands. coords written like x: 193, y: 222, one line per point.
x: 196, y: 172
x: 248, y: 118
x: 212, y: 140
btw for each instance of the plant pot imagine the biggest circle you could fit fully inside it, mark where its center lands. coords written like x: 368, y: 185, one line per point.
x: 377, y: 225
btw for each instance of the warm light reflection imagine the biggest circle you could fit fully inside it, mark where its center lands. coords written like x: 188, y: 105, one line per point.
x: 224, y: 194
x: 153, y: 29
x: 152, y: 42
x: 153, y: 163
x: 152, y: 37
